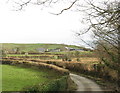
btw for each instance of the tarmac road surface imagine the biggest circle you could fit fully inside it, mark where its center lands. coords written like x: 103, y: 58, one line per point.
x: 85, y: 84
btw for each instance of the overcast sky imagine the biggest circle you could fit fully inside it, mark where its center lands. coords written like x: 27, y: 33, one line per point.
x: 33, y: 25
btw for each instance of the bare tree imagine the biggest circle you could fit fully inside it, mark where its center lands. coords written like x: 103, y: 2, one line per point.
x: 106, y: 27
x: 104, y: 22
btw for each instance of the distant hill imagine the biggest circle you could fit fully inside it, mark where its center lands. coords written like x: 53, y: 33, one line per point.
x: 10, y: 47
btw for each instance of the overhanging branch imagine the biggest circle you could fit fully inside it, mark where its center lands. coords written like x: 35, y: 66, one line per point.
x: 66, y: 8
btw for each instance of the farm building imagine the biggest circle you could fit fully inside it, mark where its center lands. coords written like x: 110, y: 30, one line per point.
x: 54, y: 50
x: 73, y: 49
x: 41, y: 50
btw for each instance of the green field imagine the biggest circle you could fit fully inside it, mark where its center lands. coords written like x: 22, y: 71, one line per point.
x: 32, y: 47
x: 53, y: 53
x: 16, y: 78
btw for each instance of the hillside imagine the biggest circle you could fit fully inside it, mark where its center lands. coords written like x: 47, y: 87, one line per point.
x: 33, y: 47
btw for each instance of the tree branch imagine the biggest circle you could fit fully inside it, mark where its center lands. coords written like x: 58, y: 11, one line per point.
x: 66, y: 8
x: 23, y: 4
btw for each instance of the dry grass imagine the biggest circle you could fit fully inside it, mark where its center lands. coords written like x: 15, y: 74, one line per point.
x: 39, y: 64
x: 85, y: 64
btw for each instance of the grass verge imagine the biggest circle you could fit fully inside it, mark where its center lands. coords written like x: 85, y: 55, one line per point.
x: 16, y: 78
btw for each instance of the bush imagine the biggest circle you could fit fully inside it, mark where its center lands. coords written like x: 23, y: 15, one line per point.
x: 55, y: 85
x: 3, y: 53
x: 56, y: 57
x: 66, y: 58
x: 78, y: 59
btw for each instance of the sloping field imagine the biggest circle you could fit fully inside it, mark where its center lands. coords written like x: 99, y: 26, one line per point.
x: 33, y: 47
x: 16, y: 78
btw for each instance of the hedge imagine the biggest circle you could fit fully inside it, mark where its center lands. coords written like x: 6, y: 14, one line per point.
x: 38, y: 64
x: 55, y: 85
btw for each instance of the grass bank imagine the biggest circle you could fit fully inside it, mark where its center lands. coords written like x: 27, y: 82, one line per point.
x: 16, y: 78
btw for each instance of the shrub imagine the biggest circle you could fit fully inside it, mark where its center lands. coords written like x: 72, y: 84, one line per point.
x: 78, y: 59
x: 55, y: 85
x: 56, y: 57
x: 3, y: 53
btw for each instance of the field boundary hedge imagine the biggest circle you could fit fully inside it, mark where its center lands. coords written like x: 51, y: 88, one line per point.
x: 38, y: 64
x: 96, y: 70
x: 60, y: 84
